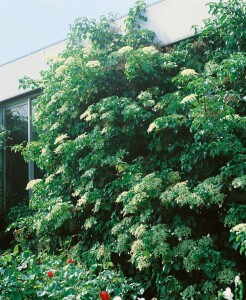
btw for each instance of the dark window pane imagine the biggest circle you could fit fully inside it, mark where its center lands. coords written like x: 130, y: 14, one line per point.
x: 37, y: 172
x: 16, y: 122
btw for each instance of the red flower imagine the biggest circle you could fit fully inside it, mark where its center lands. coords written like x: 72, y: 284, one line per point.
x: 70, y: 261
x: 104, y: 296
x: 50, y: 274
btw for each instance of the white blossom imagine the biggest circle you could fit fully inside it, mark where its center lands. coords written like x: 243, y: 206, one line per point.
x: 91, y: 117
x: 150, y: 50
x: 104, y: 130
x: 60, y: 138
x: 236, y: 280
x: 93, y: 63
x: 189, y: 98
x: 49, y: 178
x: 58, y: 149
x: 166, y: 55
x: 54, y: 126
x: 227, y: 294
x: 53, y: 58
x: 117, y: 298
x: 144, y: 95
x: 239, y: 227
x: 31, y: 184
x: 72, y: 61
x: 152, y: 126
x: 125, y: 49
x: 188, y: 72
x: 60, y: 70
x: 60, y: 170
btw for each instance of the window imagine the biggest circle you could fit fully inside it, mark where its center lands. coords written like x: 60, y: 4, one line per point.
x: 15, y: 172
x: 16, y: 169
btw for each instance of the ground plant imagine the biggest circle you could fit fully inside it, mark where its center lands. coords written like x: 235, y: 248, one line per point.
x: 142, y: 147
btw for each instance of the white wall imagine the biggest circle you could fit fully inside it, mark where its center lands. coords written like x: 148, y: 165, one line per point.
x: 29, y: 65
x: 171, y: 20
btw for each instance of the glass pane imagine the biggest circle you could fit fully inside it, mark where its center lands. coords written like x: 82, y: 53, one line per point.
x: 16, y: 122
x: 1, y: 178
x: 37, y: 172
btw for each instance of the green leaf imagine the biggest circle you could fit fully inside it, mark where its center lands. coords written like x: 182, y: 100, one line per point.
x: 16, y: 295
x: 16, y: 249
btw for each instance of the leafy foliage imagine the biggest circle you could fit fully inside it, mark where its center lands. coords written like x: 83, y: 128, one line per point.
x: 27, y: 276
x: 143, y: 150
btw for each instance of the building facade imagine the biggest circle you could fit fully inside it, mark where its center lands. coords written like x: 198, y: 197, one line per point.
x: 171, y: 20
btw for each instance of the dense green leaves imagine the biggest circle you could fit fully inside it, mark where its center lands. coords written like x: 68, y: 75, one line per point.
x: 143, y: 151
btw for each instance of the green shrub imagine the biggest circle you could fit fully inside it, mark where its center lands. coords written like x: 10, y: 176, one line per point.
x: 143, y: 150
x: 24, y: 275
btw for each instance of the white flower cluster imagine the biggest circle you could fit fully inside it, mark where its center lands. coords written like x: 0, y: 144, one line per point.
x: 49, y: 178
x: 31, y: 184
x: 91, y: 117
x: 54, y: 126
x: 144, y: 95
x: 61, y: 170
x: 93, y: 63
x: 139, y: 231
x: 60, y: 70
x: 227, y: 294
x: 81, y: 136
x: 150, y: 50
x: 53, y: 58
x: 238, y: 228
x: 188, y: 72
x: 81, y: 201
x: 119, y: 298
x: 55, y: 97
x: 90, y: 222
x: 60, y: 138
x: 104, y: 130
x: 152, y: 127
x: 72, y: 61
x: 124, y: 50
x: 58, y: 149
x: 87, y: 50
x: 189, y: 99
x: 166, y: 55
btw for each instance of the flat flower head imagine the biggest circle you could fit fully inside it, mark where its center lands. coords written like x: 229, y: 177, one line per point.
x: 188, y: 72
x: 239, y: 228
x: 124, y: 50
x: 70, y: 60
x: 31, y: 185
x: 93, y: 64
x: 60, y: 138
x: 104, y: 296
x: 60, y: 70
x: 150, y: 50
x: 152, y: 127
x: 189, y: 99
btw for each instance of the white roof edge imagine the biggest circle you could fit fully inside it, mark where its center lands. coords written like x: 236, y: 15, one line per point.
x: 33, y: 52
x: 62, y: 40
x: 171, y: 20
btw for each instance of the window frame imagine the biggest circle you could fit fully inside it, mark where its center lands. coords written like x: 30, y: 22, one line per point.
x: 10, y: 104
